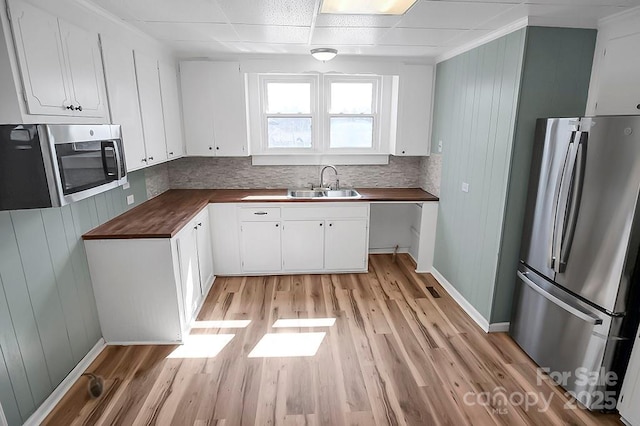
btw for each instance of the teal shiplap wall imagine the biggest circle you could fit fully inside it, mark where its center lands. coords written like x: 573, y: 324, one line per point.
x: 555, y: 83
x: 486, y: 104
x: 475, y: 103
x: 48, y: 316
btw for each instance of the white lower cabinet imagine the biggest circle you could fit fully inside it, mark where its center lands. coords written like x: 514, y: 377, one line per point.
x: 149, y: 290
x: 291, y: 238
x: 260, y: 244
x: 345, y: 245
x: 302, y: 245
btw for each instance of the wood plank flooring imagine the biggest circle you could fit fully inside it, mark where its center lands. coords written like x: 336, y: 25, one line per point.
x: 397, y: 354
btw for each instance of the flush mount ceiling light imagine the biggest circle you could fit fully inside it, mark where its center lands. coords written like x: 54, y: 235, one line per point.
x: 324, y: 54
x: 366, y: 7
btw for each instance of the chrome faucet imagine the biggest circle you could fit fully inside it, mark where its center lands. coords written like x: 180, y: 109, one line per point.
x: 322, y: 185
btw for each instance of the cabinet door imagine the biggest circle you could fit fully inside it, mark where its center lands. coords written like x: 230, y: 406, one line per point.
x: 619, y: 79
x: 189, y: 271
x: 414, y: 110
x: 229, y: 111
x: 171, y: 110
x: 198, y: 98
x: 122, y: 88
x: 85, y: 71
x: 260, y: 246
x: 41, y: 58
x: 151, y: 108
x: 205, y: 252
x: 303, y: 245
x: 630, y: 393
x: 345, y: 245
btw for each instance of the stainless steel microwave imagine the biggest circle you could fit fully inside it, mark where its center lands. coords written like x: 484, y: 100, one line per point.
x: 53, y: 165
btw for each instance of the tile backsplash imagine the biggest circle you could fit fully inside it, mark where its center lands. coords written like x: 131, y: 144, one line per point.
x: 239, y: 173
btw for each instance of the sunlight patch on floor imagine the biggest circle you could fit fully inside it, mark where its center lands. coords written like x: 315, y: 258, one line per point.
x: 274, y: 345
x: 221, y: 324
x: 304, y: 322
x: 202, y: 346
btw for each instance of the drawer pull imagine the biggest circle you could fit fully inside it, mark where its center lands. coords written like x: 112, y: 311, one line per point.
x: 260, y: 213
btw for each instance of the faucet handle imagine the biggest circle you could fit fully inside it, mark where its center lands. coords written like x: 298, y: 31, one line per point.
x: 337, y: 184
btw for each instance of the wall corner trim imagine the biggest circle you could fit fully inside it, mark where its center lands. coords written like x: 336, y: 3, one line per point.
x: 56, y: 396
x: 460, y: 300
x: 507, y: 29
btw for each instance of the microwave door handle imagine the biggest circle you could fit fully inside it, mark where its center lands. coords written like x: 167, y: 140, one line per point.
x: 591, y: 319
x: 116, y: 151
x: 577, y: 183
x: 103, y: 147
x: 554, y: 259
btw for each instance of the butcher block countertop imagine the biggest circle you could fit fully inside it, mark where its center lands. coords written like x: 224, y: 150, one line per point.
x: 164, y: 215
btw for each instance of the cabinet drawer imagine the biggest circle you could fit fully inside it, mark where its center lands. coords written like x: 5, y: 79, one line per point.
x: 325, y: 212
x: 259, y: 213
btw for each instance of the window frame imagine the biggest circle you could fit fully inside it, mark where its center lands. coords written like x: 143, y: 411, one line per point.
x: 313, y: 80
x: 376, y: 106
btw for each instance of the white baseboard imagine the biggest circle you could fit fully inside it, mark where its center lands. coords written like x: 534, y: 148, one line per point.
x: 388, y: 250
x: 499, y: 327
x: 468, y: 307
x: 58, y: 393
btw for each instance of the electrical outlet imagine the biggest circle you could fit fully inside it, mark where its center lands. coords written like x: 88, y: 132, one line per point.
x: 465, y: 187
x: 126, y: 186
x: 130, y: 199
x: 439, y: 146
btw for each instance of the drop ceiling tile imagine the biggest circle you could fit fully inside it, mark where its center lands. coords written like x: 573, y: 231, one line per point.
x: 197, y: 49
x: 269, y: 12
x: 272, y: 33
x: 119, y: 8
x: 176, y: 11
x: 175, y: 31
x: 419, y: 36
x: 454, y: 15
x: 565, y: 15
x: 379, y: 21
x: 337, y: 36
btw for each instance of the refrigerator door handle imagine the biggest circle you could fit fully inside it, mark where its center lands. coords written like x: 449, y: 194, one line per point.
x: 562, y: 304
x: 562, y: 203
x: 576, y: 185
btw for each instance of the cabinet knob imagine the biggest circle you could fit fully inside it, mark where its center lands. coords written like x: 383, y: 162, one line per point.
x: 638, y: 106
x: 171, y: 153
x: 78, y: 108
x: 150, y: 158
x: 195, y: 227
x: 210, y: 148
x: 69, y: 107
x: 199, y: 223
x: 320, y: 223
x: 217, y: 147
x: 331, y: 224
x: 277, y: 225
x: 403, y: 152
x: 144, y: 160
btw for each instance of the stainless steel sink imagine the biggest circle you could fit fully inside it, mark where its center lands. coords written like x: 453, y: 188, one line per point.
x: 323, y: 193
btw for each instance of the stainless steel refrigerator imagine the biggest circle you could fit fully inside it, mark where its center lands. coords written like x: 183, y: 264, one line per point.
x: 576, y: 302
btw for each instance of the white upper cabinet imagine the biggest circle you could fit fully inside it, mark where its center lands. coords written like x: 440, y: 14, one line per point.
x: 171, y: 109
x: 120, y: 74
x: 615, y: 77
x: 151, y: 107
x: 59, y: 63
x: 413, y: 121
x: 619, y: 79
x: 214, y: 109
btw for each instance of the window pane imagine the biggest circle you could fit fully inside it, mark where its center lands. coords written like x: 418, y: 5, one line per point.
x: 351, y: 98
x: 351, y: 132
x: 289, y: 132
x: 289, y: 98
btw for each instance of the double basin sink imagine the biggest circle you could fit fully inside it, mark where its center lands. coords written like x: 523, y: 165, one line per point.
x: 323, y: 193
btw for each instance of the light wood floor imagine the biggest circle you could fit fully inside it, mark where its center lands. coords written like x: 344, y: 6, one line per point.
x: 398, y: 354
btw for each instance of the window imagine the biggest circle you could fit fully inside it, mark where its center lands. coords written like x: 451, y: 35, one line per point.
x: 352, y: 112
x: 288, y: 105
x: 318, y: 114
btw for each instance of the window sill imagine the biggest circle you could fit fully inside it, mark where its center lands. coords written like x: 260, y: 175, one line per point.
x: 319, y: 159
